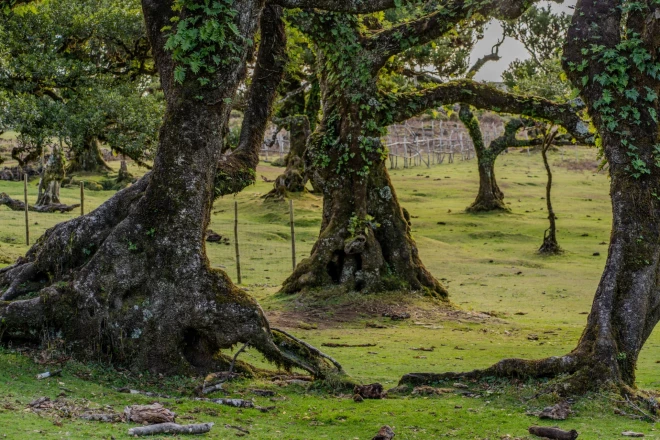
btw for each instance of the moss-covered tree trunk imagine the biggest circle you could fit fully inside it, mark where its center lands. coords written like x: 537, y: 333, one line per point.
x: 130, y: 282
x: 294, y: 177
x: 490, y: 197
x: 365, y: 243
x: 52, y: 175
x: 87, y: 158
x: 626, y: 306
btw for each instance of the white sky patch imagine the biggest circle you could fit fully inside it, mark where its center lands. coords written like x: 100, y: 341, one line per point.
x: 510, y: 50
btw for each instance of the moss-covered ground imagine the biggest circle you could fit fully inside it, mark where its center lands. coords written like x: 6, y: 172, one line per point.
x: 509, y: 301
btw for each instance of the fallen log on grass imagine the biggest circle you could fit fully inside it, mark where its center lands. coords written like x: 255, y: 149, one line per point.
x: 237, y: 403
x: 144, y: 393
x: 171, y: 428
x: 48, y: 374
x: 17, y: 205
x: 151, y: 414
x: 553, y: 433
x: 108, y: 418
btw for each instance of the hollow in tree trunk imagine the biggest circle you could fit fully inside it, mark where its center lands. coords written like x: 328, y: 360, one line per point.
x: 550, y: 245
x: 130, y: 282
x: 87, y: 158
x: 294, y: 177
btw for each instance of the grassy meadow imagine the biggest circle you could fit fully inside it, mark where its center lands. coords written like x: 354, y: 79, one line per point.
x: 508, y: 302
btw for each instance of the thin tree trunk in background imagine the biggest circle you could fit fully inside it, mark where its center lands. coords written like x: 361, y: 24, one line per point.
x: 550, y: 245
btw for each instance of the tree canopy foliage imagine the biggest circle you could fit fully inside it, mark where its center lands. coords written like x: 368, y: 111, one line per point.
x: 80, y: 72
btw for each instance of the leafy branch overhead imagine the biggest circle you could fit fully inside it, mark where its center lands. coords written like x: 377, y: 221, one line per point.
x: 203, y: 38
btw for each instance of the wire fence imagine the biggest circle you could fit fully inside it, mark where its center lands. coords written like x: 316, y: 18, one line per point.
x: 416, y: 142
x: 254, y: 253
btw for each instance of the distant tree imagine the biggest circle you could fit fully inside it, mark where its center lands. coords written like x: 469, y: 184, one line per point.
x: 297, y: 111
x: 81, y: 71
x: 542, y: 33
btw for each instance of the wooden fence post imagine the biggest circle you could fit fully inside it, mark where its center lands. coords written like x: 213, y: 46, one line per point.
x: 293, y: 235
x: 27, y: 209
x: 82, y: 198
x: 238, y: 255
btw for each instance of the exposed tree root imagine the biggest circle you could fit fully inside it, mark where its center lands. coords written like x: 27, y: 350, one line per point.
x: 550, y: 245
x: 488, y: 204
x: 573, y: 372
x: 17, y: 205
x: 98, y: 289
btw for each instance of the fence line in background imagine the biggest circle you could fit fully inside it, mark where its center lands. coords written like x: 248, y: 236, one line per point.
x: 27, y: 210
x: 416, y: 142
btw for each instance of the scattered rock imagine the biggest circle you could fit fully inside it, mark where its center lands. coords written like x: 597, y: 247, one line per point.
x: 385, y: 433
x: 460, y: 385
x: 558, y: 412
x: 632, y: 434
x: 424, y: 348
x: 41, y: 403
x: 357, y: 398
x: 533, y: 337
x: 396, y: 316
x: 213, y: 237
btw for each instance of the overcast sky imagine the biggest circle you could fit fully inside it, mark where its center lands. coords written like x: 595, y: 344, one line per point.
x: 510, y: 50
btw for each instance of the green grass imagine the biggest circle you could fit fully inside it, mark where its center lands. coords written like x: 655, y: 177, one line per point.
x: 489, y: 263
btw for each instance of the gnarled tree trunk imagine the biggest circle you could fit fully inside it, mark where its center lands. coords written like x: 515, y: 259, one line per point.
x: 626, y: 307
x: 130, y: 282
x: 365, y: 242
x: 51, y: 179
x: 490, y: 196
x: 87, y: 158
x: 294, y: 177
